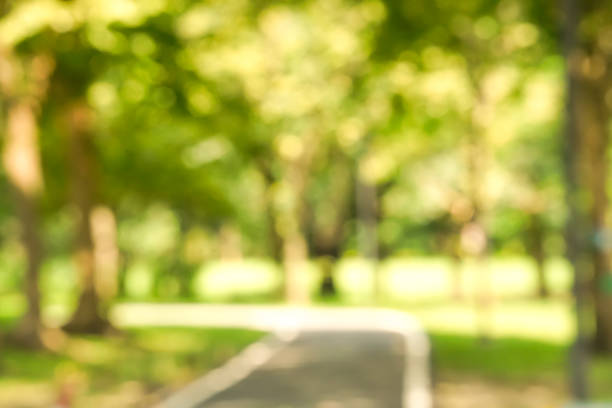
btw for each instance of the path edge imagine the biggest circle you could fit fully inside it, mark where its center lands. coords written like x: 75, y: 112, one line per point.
x: 202, y: 389
x: 284, y: 324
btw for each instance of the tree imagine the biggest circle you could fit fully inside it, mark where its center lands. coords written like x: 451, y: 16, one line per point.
x: 87, y: 318
x: 575, y: 229
x: 24, y: 85
x: 587, y: 141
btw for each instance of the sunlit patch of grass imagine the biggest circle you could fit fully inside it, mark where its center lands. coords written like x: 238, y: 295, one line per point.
x: 550, y: 320
x: 402, y: 281
x: 223, y: 280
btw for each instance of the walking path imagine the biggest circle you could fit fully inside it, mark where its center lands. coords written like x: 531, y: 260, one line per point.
x: 324, y: 369
x: 315, y: 357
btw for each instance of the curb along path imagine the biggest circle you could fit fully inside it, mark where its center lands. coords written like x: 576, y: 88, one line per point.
x: 315, y: 357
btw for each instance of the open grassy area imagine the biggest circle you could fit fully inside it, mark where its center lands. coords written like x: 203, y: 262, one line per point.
x: 525, y: 357
x: 129, y: 370
x: 522, y: 361
x: 413, y: 279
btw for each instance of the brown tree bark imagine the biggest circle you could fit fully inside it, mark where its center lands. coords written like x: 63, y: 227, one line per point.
x: 21, y: 160
x: 88, y: 316
x: 575, y: 231
x: 593, y: 126
x: 21, y: 163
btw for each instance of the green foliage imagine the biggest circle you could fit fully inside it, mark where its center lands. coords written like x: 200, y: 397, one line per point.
x: 199, y: 103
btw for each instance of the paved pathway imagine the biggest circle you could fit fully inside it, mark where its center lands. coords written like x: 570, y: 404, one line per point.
x: 315, y: 358
x: 324, y: 369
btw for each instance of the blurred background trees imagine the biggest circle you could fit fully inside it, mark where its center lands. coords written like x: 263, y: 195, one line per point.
x: 145, y: 141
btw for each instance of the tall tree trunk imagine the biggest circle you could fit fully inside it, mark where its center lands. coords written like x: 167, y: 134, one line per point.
x: 297, y: 155
x: 575, y: 235
x: 106, y: 252
x: 22, y: 165
x: 594, y: 131
x: 326, y: 225
x: 295, y: 263
x: 274, y: 241
x: 21, y: 161
x: 88, y: 315
x: 535, y: 247
x: 366, y: 201
x: 295, y: 248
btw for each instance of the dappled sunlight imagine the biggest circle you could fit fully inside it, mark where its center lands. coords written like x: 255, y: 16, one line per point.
x: 317, y: 203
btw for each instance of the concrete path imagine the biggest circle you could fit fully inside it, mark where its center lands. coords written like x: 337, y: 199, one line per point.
x: 315, y: 357
x: 324, y: 369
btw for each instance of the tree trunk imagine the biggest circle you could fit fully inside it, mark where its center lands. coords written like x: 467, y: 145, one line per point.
x: 574, y: 228
x: 22, y: 165
x: 21, y: 161
x: 106, y: 252
x: 274, y: 241
x: 535, y: 247
x: 594, y: 131
x: 367, y: 233
x: 88, y: 315
x: 295, y: 262
x: 326, y: 225
x: 295, y: 248
x: 457, y: 275
x: 289, y: 210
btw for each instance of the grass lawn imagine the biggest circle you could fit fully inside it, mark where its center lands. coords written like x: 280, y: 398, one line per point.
x: 128, y: 370
x: 523, y: 364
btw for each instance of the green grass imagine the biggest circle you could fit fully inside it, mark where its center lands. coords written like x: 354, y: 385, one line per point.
x: 413, y: 279
x: 601, y: 377
x: 514, y: 363
x: 527, y: 343
x: 509, y: 360
x: 116, y: 370
x: 549, y: 320
x: 528, y: 337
